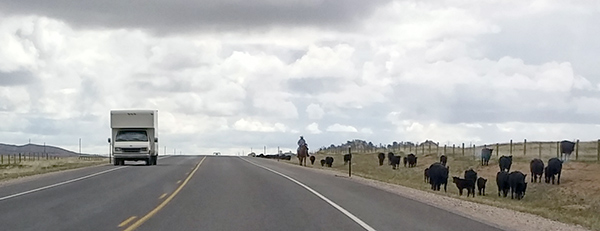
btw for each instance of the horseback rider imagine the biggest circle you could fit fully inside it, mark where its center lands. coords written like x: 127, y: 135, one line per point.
x: 302, y: 142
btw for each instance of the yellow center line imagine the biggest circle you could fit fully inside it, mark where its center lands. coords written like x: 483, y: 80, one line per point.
x: 125, y: 222
x: 179, y: 181
x: 162, y: 196
x: 165, y: 202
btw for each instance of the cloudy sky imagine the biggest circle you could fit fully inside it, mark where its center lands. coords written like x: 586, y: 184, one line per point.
x: 231, y: 75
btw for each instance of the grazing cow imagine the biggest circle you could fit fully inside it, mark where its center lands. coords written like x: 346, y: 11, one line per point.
x: 443, y: 160
x: 537, y: 168
x: 505, y: 162
x: 322, y: 162
x: 481, y: 185
x: 486, y: 154
x: 438, y: 175
x: 381, y: 158
x: 464, y: 184
x: 329, y: 161
x: 396, y: 162
x: 412, y: 160
x: 312, y: 160
x: 566, y: 148
x: 405, y: 160
x: 517, y: 183
x: 471, y: 175
x: 390, y: 157
x: 554, y: 168
x: 426, y: 175
x: 347, y: 158
x: 502, y: 182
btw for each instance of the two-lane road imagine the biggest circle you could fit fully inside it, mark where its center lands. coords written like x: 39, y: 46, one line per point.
x: 213, y: 193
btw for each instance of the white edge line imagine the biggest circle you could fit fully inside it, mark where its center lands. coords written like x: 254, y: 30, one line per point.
x: 58, y: 184
x: 344, y: 211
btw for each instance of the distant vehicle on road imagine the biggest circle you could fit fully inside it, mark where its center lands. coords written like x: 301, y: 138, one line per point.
x: 216, y: 153
x: 134, y: 136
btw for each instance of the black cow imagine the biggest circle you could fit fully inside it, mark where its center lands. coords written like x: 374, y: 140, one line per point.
x: 426, y: 175
x: 405, y: 160
x: 438, y: 175
x: 566, y: 148
x: 395, y: 162
x: 381, y: 157
x: 502, y: 182
x: 464, y: 184
x: 312, y: 160
x: 472, y: 176
x: 347, y: 158
x: 517, y: 183
x: 329, y: 161
x: 537, y: 169
x: 322, y: 162
x: 554, y: 168
x: 412, y: 160
x: 486, y: 154
x: 505, y: 162
x: 481, y: 185
x: 390, y: 157
x: 443, y: 160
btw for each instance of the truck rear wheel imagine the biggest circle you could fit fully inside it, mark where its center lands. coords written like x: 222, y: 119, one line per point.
x: 149, y: 161
x: 116, y: 161
x: 154, y: 160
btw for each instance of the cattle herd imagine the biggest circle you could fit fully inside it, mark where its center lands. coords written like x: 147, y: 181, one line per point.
x: 437, y: 173
x: 514, y: 182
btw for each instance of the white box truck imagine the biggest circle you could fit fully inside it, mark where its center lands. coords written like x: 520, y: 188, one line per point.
x: 134, y: 136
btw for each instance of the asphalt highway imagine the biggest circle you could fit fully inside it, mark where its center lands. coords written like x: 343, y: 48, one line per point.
x: 212, y: 193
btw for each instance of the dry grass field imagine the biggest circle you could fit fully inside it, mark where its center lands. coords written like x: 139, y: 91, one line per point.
x: 576, y: 200
x: 34, y: 167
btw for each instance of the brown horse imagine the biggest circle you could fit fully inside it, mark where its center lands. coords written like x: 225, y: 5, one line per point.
x: 302, y: 154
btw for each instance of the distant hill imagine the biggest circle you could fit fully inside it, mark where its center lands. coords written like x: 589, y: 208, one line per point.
x: 9, y: 149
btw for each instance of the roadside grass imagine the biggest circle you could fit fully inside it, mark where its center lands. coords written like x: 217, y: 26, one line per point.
x: 35, y: 167
x: 576, y: 200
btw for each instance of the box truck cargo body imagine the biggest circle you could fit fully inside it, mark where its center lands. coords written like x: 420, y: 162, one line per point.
x: 134, y: 136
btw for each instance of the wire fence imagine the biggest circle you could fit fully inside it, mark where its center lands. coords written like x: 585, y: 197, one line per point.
x: 12, y: 159
x: 584, y: 151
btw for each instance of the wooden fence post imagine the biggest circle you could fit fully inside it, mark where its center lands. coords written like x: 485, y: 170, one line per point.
x: 524, y: 146
x: 557, y: 149
x: 577, y: 150
x: 445, y: 148
x: 540, y: 150
x: 510, y: 148
x: 598, y: 150
x: 453, y: 145
x: 463, y: 149
x: 437, y: 149
x: 497, y: 149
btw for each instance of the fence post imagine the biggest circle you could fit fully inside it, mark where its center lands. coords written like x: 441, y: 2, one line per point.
x: 577, y: 149
x: 2, y: 156
x: 437, y: 150
x: 598, y: 150
x: 463, y: 149
x: 557, y: 149
x: 19, y: 157
x: 350, y: 163
x: 422, y: 149
x: 540, y: 150
x: 445, y: 149
x: 428, y: 147
x: 510, y: 148
x: 497, y: 147
x: 453, y: 145
x: 524, y: 146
